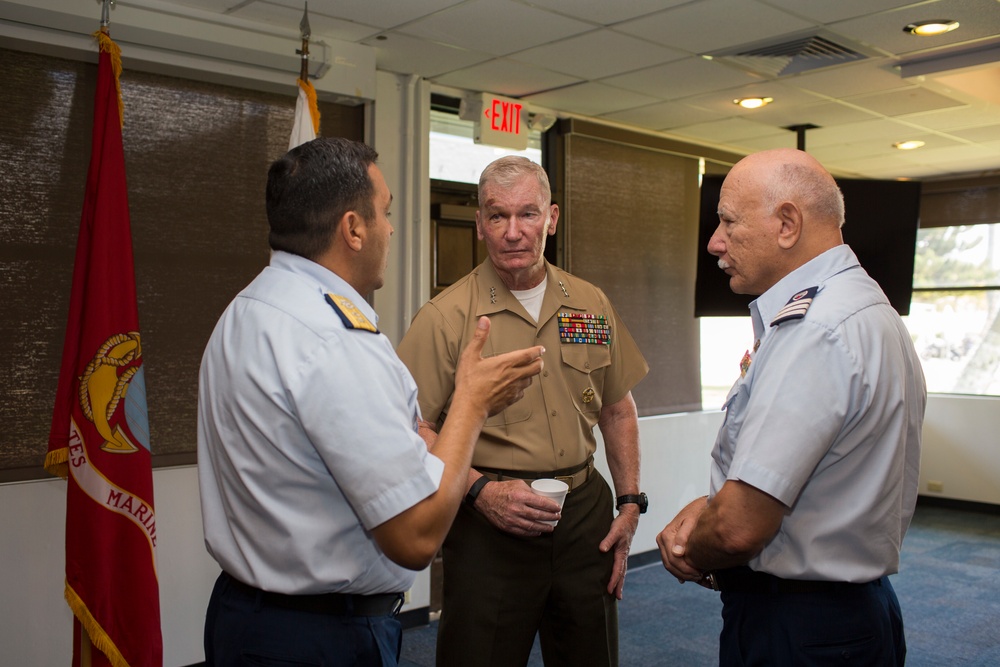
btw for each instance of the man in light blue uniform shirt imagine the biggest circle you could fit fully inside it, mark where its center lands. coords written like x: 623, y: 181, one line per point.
x: 814, y: 475
x: 319, y: 495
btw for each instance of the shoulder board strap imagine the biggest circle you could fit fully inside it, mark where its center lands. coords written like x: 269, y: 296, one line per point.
x: 796, y: 307
x: 350, y: 314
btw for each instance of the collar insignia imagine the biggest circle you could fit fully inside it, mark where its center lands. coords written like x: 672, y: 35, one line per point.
x: 350, y: 315
x: 796, y: 307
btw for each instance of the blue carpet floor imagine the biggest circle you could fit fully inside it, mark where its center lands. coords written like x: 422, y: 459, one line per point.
x: 948, y: 587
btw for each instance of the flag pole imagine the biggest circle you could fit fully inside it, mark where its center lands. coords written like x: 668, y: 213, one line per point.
x: 304, y: 51
x: 106, y: 14
x: 306, y: 126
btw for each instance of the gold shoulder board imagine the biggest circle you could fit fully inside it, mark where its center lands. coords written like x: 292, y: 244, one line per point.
x: 350, y: 314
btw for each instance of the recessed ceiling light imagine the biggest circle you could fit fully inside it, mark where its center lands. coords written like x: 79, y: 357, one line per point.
x: 907, y: 145
x: 931, y: 28
x: 753, y: 102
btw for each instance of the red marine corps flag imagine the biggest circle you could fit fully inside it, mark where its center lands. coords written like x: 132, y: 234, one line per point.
x: 99, y: 441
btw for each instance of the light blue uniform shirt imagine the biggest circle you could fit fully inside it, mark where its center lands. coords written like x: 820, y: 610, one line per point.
x: 827, y: 420
x: 307, y: 438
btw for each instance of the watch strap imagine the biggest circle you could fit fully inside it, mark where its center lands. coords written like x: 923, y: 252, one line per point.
x: 637, y: 499
x: 477, y: 486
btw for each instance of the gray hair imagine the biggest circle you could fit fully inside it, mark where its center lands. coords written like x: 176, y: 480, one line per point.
x: 815, y: 191
x: 509, y: 169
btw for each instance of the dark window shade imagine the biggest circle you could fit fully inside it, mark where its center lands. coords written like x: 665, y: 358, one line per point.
x: 880, y: 226
x: 630, y: 214
x: 196, y: 158
x: 970, y: 201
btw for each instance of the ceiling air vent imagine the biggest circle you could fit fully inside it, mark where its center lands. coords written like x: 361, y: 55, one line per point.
x: 791, y: 57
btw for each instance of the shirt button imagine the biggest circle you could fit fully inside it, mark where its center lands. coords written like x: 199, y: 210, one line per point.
x: 545, y: 374
x: 553, y: 413
x: 586, y: 364
x: 562, y: 452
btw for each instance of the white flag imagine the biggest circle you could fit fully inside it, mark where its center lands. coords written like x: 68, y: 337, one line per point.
x: 306, y: 115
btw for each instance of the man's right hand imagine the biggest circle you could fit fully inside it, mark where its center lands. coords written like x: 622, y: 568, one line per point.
x: 514, y: 508
x: 493, y: 383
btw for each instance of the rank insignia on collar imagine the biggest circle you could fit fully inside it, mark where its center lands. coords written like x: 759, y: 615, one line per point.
x: 796, y: 307
x: 350, y: 315
x: 584, y: 328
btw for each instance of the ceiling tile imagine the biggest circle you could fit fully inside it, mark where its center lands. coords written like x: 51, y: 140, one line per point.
x: 495, y: 26
x: 957, y: 118
x: 882, y: 130
x: 978, y: 19
x: 698, y: 27
x: 848, y: 80
x: 605, y: 12
x: 409, y: 55
x: 826, y: 11
x: 598, y: 54
x: 979, y: 135
x: 824, y: 114
x: 768, y: 142
x: 902, y: 102
x: 681, y: 79
x: 381, y: 14
x: 783, y: 95
x: 592, y: 99
x: 506, y: 77
x: 663, y: 115
x: 319, y: 24
x: 727, y: 130
x: 982, y: 83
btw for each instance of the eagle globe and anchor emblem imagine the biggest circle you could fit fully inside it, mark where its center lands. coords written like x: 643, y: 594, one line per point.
x: 103, y: 388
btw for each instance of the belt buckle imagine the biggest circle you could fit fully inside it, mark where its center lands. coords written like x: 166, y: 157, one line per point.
x: 398, y: 605
x: 710, y: 578
x: 568, y: 479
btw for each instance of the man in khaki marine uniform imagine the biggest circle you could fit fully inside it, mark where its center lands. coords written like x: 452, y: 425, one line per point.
x: 507, y: 574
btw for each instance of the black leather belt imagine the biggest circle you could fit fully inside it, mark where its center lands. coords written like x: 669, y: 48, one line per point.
x: 744, y: 580
x: 574, y: 477
x: 331, y: 604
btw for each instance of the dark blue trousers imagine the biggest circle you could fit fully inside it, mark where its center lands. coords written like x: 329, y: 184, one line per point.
x: 242, y: 629
x: 857, y: 625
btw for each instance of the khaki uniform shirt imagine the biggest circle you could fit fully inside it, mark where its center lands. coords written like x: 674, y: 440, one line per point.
x: 552, y: 426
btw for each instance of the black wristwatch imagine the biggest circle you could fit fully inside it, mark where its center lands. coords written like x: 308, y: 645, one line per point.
x: 639, y: 500
x: 477, y: 486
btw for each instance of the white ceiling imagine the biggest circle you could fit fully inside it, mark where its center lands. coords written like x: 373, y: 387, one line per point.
x: 642, y: 63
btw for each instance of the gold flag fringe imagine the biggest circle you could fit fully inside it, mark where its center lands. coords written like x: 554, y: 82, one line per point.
x: 105, y: 43
x: 57, y: 462
x: 313, y: 107
x: 98, y: 637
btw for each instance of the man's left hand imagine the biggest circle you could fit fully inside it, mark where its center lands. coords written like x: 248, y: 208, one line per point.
x: 619, y: 539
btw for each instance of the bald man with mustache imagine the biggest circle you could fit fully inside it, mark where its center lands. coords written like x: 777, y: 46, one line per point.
x: 815, y: 469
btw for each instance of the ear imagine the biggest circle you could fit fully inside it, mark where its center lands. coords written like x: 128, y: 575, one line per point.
x: 790, y: 217
x: 353, y: 230
x: 553, y: 218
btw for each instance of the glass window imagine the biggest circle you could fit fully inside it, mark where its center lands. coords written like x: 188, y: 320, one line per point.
x: 455, y: 157
x: 955, y: 311
x: 724, y: 341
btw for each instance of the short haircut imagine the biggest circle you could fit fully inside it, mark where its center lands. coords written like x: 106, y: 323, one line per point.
x: 311, y: 188
x: 508, y: 170
x: 814, y: 191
